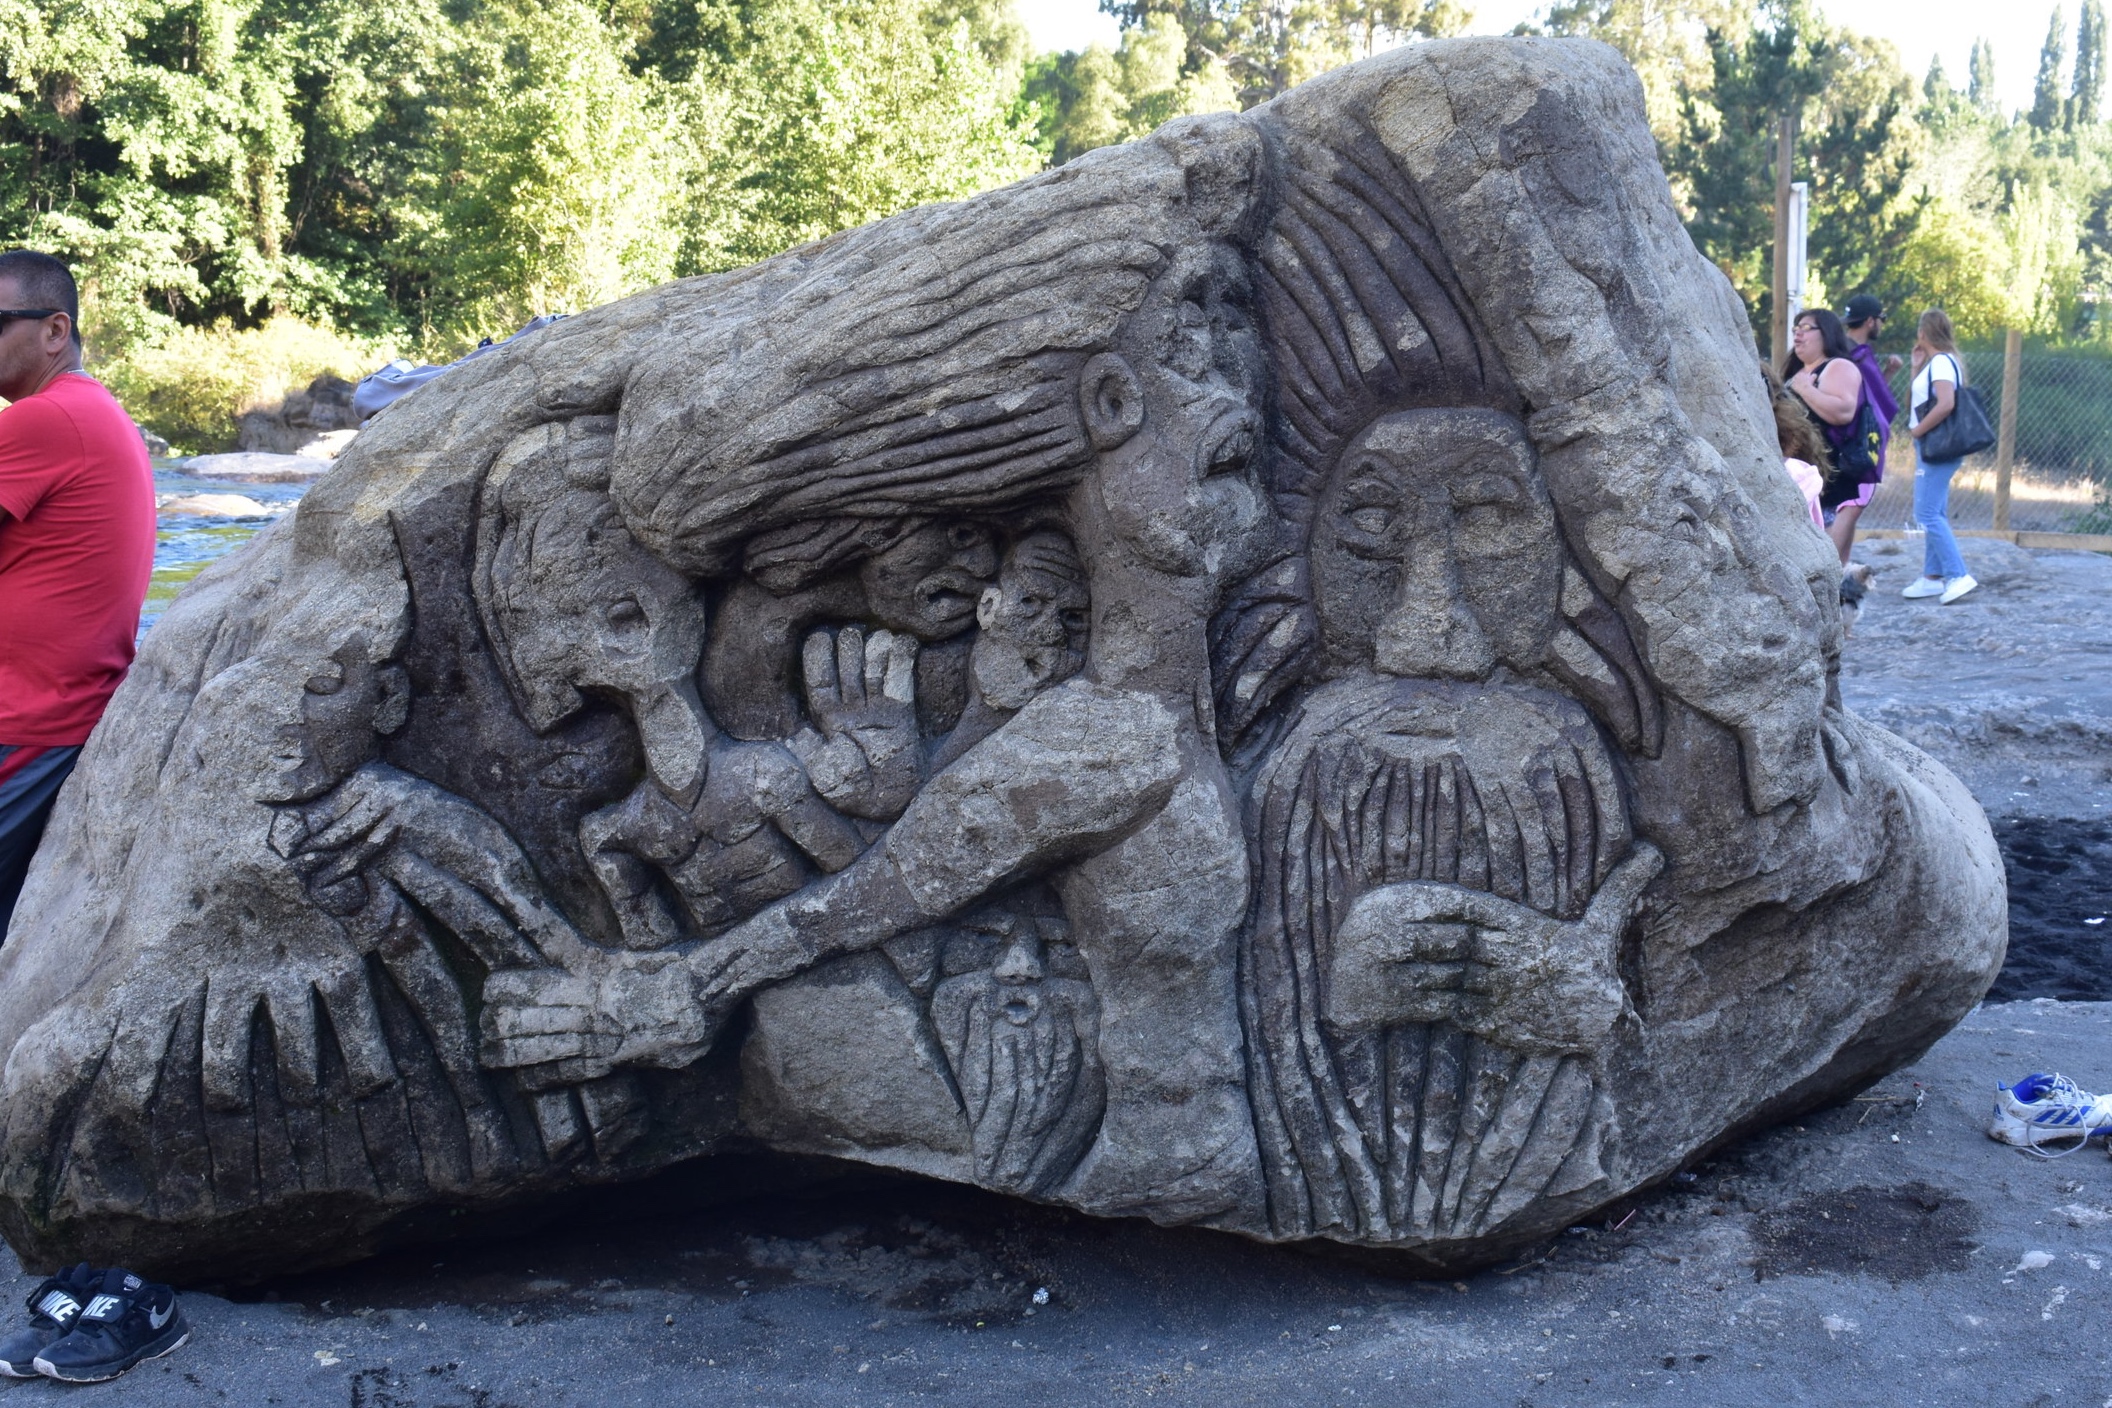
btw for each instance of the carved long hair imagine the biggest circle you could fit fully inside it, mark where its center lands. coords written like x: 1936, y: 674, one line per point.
x: 926, y: 364
x: 1363, y: 315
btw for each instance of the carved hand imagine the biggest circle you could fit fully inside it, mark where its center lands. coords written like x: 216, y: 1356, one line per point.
x: 610, y: 1010
x: 445, y: 852
x: 861, y: 693
x: 1427, y: 952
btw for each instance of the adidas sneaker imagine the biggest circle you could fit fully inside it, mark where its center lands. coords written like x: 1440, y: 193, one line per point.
x: 53, y: 1307
x: 125, y: 1320
x: 2046, y: 1109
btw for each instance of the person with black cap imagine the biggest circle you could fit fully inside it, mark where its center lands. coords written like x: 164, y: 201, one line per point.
x: 1864, y: 318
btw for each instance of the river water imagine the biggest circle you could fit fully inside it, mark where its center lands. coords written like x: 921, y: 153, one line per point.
x: 185, y: 543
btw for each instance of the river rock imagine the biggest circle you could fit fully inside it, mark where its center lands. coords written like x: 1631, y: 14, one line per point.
x: 315, y: 418
x: 256, y: 467
x: 209, y: 506
x: 1267, y: 678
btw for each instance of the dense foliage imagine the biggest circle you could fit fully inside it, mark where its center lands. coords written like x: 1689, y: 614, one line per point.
x: 258, y: 190
x: 424, y: 173
x: 1920, y: 194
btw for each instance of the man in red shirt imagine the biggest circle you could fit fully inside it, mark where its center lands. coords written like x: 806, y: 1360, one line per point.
x: 76, y: 550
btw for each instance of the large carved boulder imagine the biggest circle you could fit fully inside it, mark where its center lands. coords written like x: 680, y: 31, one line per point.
x: 1270, y: 678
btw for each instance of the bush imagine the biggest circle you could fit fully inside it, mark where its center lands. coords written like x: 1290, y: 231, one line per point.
x: 189, y: 386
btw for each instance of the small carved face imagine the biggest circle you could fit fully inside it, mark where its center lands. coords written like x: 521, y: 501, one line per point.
x: 1176, y: 418
x: 1434, y: 549
x: 928, y: 583
x: 330, y: 710
x: 1035, y: 623
x: 585, y: 606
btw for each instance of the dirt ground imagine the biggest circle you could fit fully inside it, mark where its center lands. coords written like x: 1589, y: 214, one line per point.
x: 1882, y: 1252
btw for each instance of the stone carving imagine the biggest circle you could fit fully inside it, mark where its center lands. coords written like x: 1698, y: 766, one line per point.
x: 1267, y: 678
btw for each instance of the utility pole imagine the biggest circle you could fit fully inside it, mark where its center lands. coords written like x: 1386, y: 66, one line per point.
x: 2006, y: 431
x: 1785, y: 152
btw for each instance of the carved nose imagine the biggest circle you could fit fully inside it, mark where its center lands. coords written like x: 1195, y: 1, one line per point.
x: 1431, y: 632
x: 674, y: 728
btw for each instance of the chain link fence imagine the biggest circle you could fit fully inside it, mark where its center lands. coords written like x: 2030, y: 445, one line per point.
x: 2061, y: 474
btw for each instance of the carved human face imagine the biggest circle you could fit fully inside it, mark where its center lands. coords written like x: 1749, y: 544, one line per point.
x: 1034, y: 622
x: 295, y: 722
x: 928, y: 584
x: 1434, y: 549
x: 1175, y: 416
x: 585, y: 606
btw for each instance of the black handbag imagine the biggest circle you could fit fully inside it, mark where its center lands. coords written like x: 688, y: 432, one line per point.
x: 1859, y: 447
x: 1965, y: 431
x: 1854, y: 449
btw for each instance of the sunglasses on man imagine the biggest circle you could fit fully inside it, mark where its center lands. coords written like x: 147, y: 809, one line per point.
x: 8, y: 315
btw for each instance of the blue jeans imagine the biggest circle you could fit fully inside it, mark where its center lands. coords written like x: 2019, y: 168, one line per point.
x: 1932, y: 502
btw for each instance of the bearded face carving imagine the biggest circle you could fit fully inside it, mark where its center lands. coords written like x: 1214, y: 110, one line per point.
x: 1176, y: 688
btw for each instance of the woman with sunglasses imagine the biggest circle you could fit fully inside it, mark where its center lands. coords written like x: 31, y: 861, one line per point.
x: 1820, y: 372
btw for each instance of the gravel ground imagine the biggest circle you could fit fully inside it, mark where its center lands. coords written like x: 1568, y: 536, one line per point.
x: 2010, y: 686
x: 1881, y: 1252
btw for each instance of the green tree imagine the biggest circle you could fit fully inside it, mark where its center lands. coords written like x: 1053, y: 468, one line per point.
x: 1667, y: 41
x: 1863, y: 151
x: 1269, y: 46
x: 2047, y: 105
x: 1981, y: 79
x: 1096, y: 97
x: 1724, y: 158
x: 548, y: 177
x: 2087, y: 96
x: 826, y: 114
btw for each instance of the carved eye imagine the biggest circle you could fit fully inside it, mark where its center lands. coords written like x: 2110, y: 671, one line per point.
x: 624, y: 613
x: 1231, y: 454
x: 1075, y: 620
x: 324, y: 684
x: 1030, y: 602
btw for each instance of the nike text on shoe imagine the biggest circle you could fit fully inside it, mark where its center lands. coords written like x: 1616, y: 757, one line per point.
x: 53, y: 1307
x: 125, y: 1321
x: 2048, y: 1110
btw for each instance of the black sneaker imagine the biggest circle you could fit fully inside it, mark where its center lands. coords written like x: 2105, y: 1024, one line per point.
x: 125, y: 1321
x: 53, y: 1307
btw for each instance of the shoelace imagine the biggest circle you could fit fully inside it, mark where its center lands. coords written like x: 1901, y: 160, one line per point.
x: 2065, y: 1094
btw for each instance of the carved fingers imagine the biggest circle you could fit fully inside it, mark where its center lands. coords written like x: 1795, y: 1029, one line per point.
x: 861, y: 693
x: 290, y: 997
x: 549, y: 1023
x: 1614, y: 904
x: 562, y: 1027
x: 1426, y: 952
x: 853, y: 677
x: 447, y: 853
x: 764, y: 950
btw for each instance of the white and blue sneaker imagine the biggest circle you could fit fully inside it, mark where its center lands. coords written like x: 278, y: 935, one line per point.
x: 2046, y: 1109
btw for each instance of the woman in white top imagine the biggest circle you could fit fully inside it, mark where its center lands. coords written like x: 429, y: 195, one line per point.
x: 1938, y: 373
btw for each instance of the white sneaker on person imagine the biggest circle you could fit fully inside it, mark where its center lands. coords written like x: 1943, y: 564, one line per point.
x: 1956, y: 587
x: 1923, y: 586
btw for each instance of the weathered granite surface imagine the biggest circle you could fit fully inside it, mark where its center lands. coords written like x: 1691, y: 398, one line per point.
x: 1268, y: 678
